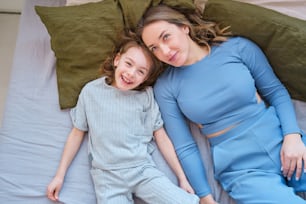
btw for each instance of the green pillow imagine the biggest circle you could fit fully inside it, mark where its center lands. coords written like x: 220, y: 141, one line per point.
x: 281, y: 37
x: 133, y: 10
x: 83, y: 36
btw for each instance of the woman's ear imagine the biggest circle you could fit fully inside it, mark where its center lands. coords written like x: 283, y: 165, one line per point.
x: 186, y: 29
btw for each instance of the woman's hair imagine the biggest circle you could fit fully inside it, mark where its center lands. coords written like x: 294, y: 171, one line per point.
x: 204, y: 33
x: 127, y: 40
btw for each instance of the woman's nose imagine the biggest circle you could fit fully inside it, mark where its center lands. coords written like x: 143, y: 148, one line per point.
x: 165, y: 49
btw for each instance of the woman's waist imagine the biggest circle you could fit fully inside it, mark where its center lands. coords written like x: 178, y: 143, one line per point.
x: 245, y: 125
x: 227, y: 123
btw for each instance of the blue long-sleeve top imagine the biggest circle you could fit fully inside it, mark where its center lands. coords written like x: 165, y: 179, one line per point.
x: 217, y: 92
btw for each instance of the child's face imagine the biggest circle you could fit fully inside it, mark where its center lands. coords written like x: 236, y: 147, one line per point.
x: 132, y: 69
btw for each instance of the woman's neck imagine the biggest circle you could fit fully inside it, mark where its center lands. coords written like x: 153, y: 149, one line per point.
x: 197, y: 53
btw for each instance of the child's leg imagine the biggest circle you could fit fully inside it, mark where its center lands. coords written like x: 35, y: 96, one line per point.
x: 155, y: 187
x: 110, y: 188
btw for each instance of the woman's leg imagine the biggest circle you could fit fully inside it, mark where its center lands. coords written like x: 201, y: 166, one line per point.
x: 258, y: 188
x: 247, y: 162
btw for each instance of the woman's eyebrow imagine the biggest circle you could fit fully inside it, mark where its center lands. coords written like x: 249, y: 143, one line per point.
x: 159, y: 37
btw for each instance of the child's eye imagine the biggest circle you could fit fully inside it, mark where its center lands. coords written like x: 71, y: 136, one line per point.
x: 128, y: 64
x: 142, y: 72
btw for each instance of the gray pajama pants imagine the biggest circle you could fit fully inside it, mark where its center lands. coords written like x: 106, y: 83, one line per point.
x: 247, y: 162
x: 146, y: 182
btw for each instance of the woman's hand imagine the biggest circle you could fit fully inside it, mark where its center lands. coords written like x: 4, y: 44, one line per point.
x: 208, y: 200
x: 293, y: 155
x: 54, y: 188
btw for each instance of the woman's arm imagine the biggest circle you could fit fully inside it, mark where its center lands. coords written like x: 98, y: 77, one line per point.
x: 293, y: 152
x: 180, y: 135
x: 268, y: 85
x: 71, y: 148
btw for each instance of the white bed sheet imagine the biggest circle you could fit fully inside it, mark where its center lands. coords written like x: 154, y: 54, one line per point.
x: 34, y: 129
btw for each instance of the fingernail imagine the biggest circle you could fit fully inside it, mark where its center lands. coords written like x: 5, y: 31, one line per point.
x: 304, y: 170
x: 282, y: 169
x: 289, y: 178
x: 296, y: 178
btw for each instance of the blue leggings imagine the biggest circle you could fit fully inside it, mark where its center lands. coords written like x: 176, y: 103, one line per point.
x: 247, y: 162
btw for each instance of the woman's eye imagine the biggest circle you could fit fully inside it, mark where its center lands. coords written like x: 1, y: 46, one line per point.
x: 166, y: 36
x: 153, y: 49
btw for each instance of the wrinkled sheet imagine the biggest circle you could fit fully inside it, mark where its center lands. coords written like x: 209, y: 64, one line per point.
x: 34, y: 129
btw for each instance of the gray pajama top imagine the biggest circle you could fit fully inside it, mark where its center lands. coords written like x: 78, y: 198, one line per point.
x: 120, y: 124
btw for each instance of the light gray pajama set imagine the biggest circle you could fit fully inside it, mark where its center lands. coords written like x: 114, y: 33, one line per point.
x: 120, y: 127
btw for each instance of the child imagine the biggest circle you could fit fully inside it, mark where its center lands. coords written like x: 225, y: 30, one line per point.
x: 121, y: 116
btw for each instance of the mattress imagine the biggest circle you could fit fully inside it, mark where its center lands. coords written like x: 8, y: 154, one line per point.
x: 34, y: 128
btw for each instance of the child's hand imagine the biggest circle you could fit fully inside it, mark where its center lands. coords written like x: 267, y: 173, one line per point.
x: 186, y: 186
x: 54, y: 188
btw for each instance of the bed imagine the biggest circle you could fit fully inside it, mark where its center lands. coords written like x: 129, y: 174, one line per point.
x: 35, y: 126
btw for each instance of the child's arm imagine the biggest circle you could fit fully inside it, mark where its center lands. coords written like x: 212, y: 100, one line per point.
x: 72, y: 146
x: 166, y: 147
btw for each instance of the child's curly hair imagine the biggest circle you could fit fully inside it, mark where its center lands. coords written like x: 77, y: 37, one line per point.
x: 127, y: 40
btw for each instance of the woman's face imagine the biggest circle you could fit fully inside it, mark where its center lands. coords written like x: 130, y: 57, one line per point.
x: 168, y: 42
x: 132, y: 69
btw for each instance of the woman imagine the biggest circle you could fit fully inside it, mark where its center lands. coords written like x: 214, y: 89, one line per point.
x: 226, y: 85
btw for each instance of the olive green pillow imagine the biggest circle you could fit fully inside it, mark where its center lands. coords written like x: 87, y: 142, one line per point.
x: 82, y: 36
x: 281, y: 37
